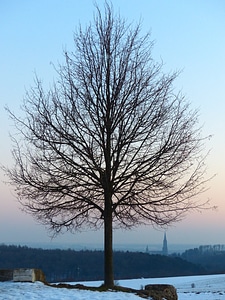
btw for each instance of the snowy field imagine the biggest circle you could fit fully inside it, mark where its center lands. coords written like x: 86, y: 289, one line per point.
x: 210, y: 287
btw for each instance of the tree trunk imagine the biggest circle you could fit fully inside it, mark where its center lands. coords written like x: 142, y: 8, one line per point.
x: 108, y: 247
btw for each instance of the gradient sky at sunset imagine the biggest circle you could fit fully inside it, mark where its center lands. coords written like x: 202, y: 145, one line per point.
x: 189, y: 36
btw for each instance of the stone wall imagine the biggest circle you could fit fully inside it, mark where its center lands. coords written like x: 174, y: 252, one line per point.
x: 23, y: 275
x: 28, y: 275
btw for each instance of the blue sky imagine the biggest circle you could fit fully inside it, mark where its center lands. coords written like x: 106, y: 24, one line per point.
x: 189, y: 36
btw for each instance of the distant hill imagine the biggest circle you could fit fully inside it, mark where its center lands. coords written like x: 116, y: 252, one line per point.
x: 211, y: 258
x: 71, y: 265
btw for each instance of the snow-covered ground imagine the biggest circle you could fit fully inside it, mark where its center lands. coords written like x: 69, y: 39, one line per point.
x: 210, y: 287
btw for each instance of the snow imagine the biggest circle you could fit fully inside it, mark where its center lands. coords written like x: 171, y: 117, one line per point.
x: 206, y: 287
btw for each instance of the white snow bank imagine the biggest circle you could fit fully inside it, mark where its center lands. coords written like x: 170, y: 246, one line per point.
x: 211, y: 287
x: 39, y: 291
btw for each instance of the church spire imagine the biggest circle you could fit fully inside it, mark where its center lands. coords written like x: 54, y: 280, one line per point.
x: 165, y: 248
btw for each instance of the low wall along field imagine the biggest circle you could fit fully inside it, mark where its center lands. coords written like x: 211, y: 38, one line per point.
x: 22, y: 275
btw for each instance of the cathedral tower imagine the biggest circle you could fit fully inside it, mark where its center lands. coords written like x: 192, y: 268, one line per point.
x: 165, y: 248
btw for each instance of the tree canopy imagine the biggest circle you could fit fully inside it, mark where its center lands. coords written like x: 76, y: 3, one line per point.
x: 110, y: 143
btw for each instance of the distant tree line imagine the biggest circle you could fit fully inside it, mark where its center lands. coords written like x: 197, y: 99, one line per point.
x: 210, y: 257
x: 212, y: 248
x: 70, y: 265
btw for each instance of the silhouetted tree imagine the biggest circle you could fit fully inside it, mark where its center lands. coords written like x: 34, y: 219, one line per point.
x: 110, y: 144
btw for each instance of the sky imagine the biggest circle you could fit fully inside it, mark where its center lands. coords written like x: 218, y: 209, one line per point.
x: 189, y: 36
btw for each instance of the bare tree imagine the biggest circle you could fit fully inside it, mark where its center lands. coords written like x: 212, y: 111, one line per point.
x: 109, y: 144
